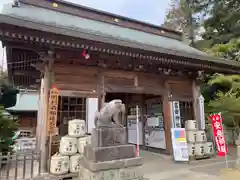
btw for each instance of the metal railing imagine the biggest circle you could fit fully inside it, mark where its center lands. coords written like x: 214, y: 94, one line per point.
x: 20, y: 165
x: 24, y: 144
x: 24, y: 163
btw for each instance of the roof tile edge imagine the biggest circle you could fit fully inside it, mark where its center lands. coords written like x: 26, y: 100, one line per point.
x: 106, y: 17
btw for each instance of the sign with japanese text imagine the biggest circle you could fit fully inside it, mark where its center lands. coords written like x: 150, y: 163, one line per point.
x: 52, y: 111
x: 176, y: 114
x: 218, y: 134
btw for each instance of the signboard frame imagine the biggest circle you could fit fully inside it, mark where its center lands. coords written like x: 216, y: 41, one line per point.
x: 179, y: 144
x: 52, y: 118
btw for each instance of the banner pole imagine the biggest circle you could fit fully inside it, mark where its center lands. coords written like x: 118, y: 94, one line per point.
x: 137, y: 148
x: 226, y: 145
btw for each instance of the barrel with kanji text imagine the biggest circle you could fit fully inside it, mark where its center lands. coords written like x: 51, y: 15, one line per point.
x: 68, y: 145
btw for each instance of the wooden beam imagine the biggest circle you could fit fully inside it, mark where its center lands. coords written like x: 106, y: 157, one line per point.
x: 73, y: 70
x: 87, y: 94
x: 119, y: 74
x: 143, y: 118
x: 132, y: 89
x: 76, y: 87
x: 47, y: 83
x: 167, y: 118
x: 101, y: 89
x: 196, y: 106
x: 33, y: 74
x: 22, y: 45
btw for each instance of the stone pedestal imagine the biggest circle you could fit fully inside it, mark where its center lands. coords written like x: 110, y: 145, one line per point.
x: 130, y: 173
x: 109, y: 153
x: 109, y: 157
x: 105, y: 136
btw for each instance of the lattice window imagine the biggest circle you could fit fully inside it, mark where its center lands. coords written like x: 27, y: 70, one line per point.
x: 186, y: 111
x: 71, y: 108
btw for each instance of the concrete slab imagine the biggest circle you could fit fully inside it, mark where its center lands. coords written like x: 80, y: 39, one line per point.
x: 180, y: 175
x: 158, y: 167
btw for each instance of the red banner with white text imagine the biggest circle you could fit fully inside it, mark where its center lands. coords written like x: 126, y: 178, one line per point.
x: 219, y: 134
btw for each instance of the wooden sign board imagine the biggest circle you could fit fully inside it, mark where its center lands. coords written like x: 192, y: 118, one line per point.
x: 52, y: 111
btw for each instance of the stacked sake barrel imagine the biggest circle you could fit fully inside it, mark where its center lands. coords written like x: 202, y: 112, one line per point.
x: 201, y: 140
x: 71, y: 149
x: 197, y: 141
x: 191, y: 133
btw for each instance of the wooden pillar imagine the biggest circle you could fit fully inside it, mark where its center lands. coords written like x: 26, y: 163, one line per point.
x: 100, y: 89
x: 40, y: 115
x: 196, y: 104
x: 167, y: 118
x: 47, y: 81
x: 126, y: 102
x: 143, y: 118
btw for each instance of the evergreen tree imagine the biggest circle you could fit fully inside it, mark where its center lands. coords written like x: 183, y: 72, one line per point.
x: 176, y: 16
x: 8, y: 127
x: 222, y: 93
x: 182, y: 16
x: 222, y: 21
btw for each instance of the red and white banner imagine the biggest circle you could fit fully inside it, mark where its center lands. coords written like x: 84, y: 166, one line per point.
x: 219, y: 134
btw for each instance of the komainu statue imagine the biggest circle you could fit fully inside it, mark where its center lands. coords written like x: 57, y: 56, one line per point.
x: 112, y: 114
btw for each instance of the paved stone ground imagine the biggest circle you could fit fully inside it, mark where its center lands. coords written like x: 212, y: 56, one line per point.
x: 162, y: 167
x: 158, y: 167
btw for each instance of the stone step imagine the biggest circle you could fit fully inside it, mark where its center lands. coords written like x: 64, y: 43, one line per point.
x: 109, y: 153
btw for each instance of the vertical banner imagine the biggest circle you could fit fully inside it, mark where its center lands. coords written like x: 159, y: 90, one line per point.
x: 219, y: 134
x: 52, y: 111
x: 176, y: 122
x: 202, y: 112
x: 52, y: 119
x: 137, y: 145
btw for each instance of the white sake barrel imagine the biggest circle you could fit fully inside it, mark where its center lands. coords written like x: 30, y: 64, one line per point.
x: 59, y: 164
x: 68, y: 146
x: 208, y: 148
x: 191, y: 136
x: 199, y: 149
x: 75, y: 163
x: 76, y: 128
x: 191, y: 125
x: 201, y: 136
x: 82, y: 142
x: 191, y: 149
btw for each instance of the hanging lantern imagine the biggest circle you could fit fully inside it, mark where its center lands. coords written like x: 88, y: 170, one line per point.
x: 85, y: 54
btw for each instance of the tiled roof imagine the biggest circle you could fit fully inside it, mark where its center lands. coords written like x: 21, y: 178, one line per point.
x: 26, y: 101
x: 50, y: 17
x: 71, y: 25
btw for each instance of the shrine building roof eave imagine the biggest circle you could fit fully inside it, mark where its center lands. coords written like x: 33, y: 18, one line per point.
x: 124, y: 37
x: 103, y: 16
